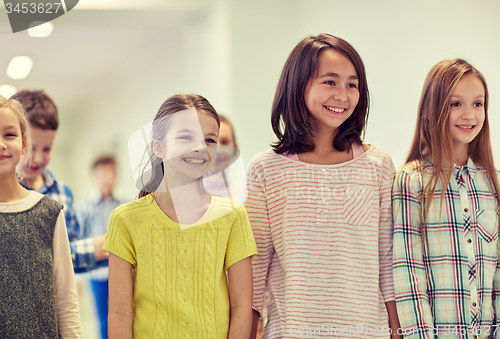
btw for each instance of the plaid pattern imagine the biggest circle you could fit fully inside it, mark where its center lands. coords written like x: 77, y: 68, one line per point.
x: 447, y: 290
x: 93, y: 214
x: 82, y: 251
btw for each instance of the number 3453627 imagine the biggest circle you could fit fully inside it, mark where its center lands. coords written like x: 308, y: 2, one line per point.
x: 26, y: 7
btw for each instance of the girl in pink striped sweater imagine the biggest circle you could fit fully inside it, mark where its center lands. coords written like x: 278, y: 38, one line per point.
x: 320, y: 204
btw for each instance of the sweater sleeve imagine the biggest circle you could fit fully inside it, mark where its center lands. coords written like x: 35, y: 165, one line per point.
x: 68, y: 312
x: 118, y: 238
x: 256, y: 205
x: 410, y: 278
x: 386, y: 229
x: 241, y: 243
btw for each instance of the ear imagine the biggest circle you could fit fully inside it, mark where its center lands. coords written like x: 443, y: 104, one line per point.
x: 25, y: 146
x: 158, y: 149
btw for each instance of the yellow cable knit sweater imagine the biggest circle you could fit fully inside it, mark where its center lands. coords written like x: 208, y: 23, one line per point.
x: 180, y: 288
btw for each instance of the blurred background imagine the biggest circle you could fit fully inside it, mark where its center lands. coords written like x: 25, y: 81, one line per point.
x: 109, y: 65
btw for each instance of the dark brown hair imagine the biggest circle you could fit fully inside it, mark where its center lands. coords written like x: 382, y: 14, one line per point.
x: 161, y: 121
x: 40, y: 110
x: 290, y: 118
x: 104, y: 160
x: 432, y: 139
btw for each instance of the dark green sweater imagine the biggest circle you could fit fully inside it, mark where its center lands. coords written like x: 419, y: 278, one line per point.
x: 27, y: 295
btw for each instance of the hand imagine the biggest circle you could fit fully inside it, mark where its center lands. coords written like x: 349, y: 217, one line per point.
x: 100, y: 253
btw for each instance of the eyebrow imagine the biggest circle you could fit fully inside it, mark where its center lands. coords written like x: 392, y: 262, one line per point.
x: 476, y: 97
x: 335, y: 75
x: 190, y: 131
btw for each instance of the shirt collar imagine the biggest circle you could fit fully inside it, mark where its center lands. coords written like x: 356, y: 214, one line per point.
x: 96, y: 196
x: 470, y: 167
x: 48, y: 181
x: 48, y: 178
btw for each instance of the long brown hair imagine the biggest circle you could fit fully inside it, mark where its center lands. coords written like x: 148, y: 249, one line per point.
x: 432, y: 139
x: 290, y: 118
x: 161, y: 121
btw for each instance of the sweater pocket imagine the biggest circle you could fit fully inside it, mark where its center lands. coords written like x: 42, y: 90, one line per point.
x: 358, y: 204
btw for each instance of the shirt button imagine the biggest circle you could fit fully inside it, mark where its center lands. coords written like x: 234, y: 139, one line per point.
x: 469, y: 241
x: 475, y: 337
x: 321, y: 212
x: 466, y: 210
x: 473, y: 272
x: 323, y: 170
x: 474, y: 304
x: 324, y: 199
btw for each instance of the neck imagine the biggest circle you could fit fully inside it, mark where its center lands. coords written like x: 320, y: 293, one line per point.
x: 323, y: 140
x: 106, y: 194
x: 185, y: 204
x: 11, y: 189
x: 461, y: 154
x: 36, y: 183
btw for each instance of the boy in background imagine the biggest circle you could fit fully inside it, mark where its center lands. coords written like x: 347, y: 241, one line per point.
x: 43, y: 121
x: 93, y: 212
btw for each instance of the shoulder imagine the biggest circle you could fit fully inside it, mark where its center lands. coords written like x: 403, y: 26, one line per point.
x: 266, y: 158
x: 378, y: 156
x: 62, y: 187
x: 228, y: 208
x: 134, y: 210
x: 411, y: 176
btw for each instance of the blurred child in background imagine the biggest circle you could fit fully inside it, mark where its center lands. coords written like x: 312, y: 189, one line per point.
x: 93, y: 214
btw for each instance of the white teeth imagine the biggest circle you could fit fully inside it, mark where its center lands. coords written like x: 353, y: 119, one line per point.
x: 333, y: 109
x: 466, y: 127
x: 194, y: 161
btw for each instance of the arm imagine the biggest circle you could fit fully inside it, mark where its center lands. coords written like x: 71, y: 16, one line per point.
x: 256, y: 205
x: 386, y: 231
x: 410, y: 278
x: 393, y: 319
x: 68, y: 312
x: 83, y: 254
x: 240, y: 299
x: 255, y: 324
x: 120, y: 298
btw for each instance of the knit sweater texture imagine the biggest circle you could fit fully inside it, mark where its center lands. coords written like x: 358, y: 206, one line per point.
x: 180, y: 288
x: 28, y: 307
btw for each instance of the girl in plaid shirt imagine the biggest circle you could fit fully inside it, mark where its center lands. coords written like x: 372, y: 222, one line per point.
x: 445, y: 207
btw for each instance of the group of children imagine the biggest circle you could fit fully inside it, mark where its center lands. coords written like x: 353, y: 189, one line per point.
x: 344, y: 245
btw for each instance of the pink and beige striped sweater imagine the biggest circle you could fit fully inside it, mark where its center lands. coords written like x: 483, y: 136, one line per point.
x: 324, y: 240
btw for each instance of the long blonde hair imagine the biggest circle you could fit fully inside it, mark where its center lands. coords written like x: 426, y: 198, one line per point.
x: 432, y: 139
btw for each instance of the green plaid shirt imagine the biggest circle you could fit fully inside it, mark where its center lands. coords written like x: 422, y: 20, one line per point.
x: 452, y: 288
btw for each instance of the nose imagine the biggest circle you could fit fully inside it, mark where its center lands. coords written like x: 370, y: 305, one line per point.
x: 340, y: 93
x: 36, y: 157
x: 2, y: 144
x: 467, y: 113
x: 200, y: 146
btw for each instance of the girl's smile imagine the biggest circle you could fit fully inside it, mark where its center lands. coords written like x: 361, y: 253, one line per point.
x: 332, y: 94
x: 466, y: 114
x: 186, y: 150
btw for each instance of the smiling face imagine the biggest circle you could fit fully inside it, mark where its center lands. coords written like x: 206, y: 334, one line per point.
x: 332, y: 93
x: 12, y: 144
x: 185, y: 149
x: 466, y: 113
x: 30, y: 168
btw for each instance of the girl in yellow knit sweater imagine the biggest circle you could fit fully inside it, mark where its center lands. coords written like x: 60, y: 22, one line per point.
x: 170, y: 249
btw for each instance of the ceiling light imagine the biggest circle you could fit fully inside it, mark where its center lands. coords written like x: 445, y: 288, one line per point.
x: 19, y: 67
x: 40, y: 30
x: 7, y: 91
